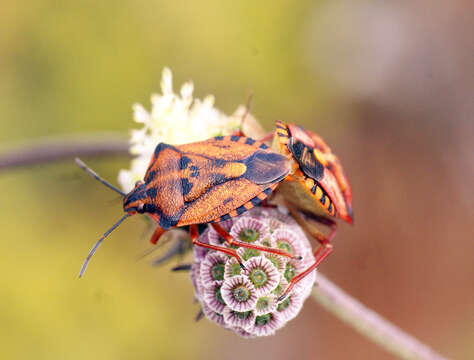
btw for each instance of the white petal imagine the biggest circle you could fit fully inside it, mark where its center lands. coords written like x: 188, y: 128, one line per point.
x: 167, y: 81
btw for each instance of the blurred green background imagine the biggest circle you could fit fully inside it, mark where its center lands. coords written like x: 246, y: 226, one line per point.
x: 386, y: 84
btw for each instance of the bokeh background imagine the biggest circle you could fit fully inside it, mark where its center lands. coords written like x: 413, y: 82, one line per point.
x: 388, y: 84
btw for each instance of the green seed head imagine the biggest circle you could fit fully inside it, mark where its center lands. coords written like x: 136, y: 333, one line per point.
x: 217, y: 271
x: 241, y: 293
x: 242, y: 315
x: 258, y: 277
x: 263, y: 320
x: 262, y: 303
x: 275, y: 261
x: 284, y: 304
x: 249, y: 235
x: 235, y: 269
x: 284, y: 245
x: 290, y: 272
x: 278, y: 290
x: 248, y: 253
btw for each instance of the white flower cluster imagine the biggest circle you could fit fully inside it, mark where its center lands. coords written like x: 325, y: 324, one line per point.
x: 245, y: 301
x: 174, y: 119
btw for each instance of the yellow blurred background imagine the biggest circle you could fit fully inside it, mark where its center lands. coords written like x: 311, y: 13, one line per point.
x: 387, y: 84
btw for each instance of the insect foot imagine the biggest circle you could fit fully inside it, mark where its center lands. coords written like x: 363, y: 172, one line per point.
x: 248, y: 301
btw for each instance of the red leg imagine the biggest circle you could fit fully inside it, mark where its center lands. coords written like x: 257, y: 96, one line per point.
x: 157, y: 234
x: 230, y: 241
x: 194, y: 234
x: 320, y: 254
x: 266, y: 204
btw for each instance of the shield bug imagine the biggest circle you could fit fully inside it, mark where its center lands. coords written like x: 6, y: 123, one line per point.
x: 315, y: 190
x: 203, y: 182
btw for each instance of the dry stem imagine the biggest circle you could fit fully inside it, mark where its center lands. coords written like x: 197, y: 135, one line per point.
x: 369, y: 323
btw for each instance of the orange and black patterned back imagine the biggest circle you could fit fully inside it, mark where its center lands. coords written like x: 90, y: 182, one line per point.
x: 212, y: 180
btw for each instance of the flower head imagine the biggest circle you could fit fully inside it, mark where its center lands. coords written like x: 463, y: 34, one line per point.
x: 245, y: 301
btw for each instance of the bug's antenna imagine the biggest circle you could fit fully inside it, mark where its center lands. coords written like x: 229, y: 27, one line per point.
x: 92, y: 173
x: 94, y: 248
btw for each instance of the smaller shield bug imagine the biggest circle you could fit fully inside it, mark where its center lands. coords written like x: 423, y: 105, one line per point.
x: 202, y: 182
x: 316, y: 190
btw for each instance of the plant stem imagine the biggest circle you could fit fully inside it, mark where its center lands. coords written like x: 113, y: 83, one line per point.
x: 48, y: 150
x: 368, y: 323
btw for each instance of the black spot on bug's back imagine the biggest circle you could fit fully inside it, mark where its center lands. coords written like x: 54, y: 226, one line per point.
x: 280, y: 127
x: 249, y: 141
x: 224, y: 217
x: 240, y: 210
x: 186, y: 185
x: 166, y: 222
x: 194, y: 171
x: 267, y: 191
x: 219, y: 163
x: 330, y: 207
x: 218, y: 179
x: 313, y: 189
x: 150, y: 175
x: 255, y: 201
x: 184, y: 162
x: 149, y: 208
x: 151, y: 192
x: 263, y: 146
x: 234, y: 138
x: 161, y: 146
x: 219, y: 138
x: 227, y: 200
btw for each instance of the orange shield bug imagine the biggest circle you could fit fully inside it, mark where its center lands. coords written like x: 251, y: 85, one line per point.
x: 315, y: 190
x: 203, y: 182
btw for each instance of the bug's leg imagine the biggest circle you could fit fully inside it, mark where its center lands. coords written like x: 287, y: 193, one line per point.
x: 199, y: 316
x: 230, y: 241
x: 183, y: 267
x: 194, y: 235
x: 266, y: 204
x: 320, y: 254
x: 157, y: 234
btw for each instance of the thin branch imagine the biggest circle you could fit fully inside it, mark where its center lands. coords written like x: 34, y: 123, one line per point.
x: 49, y: 150
x: 369, y: 323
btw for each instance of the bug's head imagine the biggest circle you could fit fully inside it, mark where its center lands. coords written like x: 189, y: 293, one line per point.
x: 136, y: 201
x: 316, y: 161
